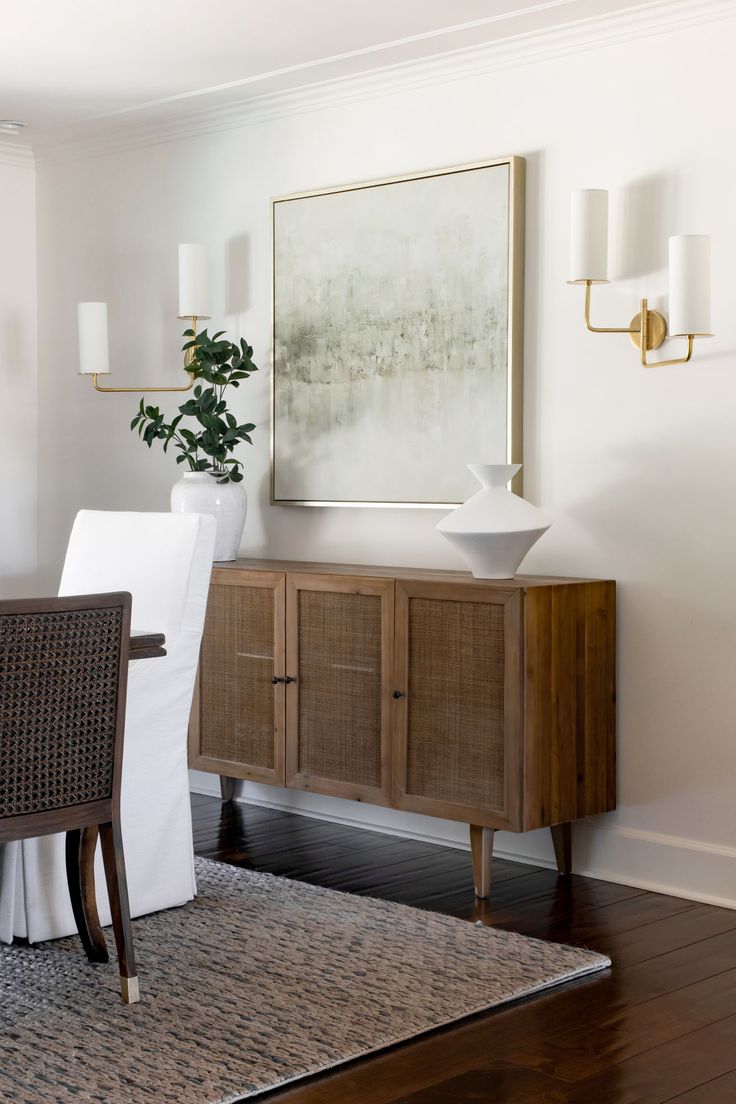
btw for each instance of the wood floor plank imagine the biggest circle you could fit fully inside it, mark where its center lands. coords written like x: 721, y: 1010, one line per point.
x: 722, y: 1090
x: 596, y: 928
x: 499, y: 1083
x: 570, y: 1054
x: 662, y: 1072
x: 676, y: 931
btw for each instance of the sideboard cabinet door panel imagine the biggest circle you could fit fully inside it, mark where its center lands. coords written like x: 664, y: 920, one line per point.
x: 240, y: 710
x: 339, y: 653
x: 457, y: 723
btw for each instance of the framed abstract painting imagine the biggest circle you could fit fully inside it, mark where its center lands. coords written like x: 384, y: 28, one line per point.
x: 397, y: 333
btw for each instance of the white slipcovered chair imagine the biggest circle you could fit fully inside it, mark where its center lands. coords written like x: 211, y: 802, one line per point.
x: 165, y: 561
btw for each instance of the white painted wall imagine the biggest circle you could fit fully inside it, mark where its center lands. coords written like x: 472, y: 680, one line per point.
x: 18, y: 469
x: 637, y: 467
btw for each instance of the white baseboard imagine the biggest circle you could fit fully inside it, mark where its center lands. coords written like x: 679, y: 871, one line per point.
x: 604, y: 849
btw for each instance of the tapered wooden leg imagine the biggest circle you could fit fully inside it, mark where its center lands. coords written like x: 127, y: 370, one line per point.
x: 81, y: 845
x: 562, y: 840
x: 117, y: 890
x: 481, y: 846
x: 227, y: 787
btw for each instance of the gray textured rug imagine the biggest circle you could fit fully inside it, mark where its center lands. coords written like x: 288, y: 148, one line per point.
x: 258, y: 982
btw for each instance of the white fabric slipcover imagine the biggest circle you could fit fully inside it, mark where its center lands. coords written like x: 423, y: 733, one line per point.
x: 165, y: 561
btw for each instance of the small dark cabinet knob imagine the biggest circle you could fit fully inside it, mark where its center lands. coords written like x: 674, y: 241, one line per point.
x: 398, y: 694
x: 276, y: 679
x: 289, y: 679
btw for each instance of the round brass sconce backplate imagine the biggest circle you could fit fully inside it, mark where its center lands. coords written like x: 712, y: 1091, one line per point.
x: 656, y: 330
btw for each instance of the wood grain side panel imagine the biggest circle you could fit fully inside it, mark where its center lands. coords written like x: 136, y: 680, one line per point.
x: 569, y: 730
x: 599, y: 690
x: 537, y: 696
x: 514, y: 709
x: 563, y: 714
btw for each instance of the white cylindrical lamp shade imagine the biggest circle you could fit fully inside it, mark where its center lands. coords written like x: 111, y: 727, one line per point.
x: 690, y: 285
x: 194, y: 283
x: 94, y: 354
x: 589, y: 235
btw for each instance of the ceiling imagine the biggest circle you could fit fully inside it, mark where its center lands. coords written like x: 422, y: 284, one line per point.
x: 64, y: 65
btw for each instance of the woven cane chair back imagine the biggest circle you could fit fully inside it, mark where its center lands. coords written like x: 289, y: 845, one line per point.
x: 60, y: 674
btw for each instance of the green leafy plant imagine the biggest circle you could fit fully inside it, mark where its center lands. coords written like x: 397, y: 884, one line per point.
x: 207, y: 446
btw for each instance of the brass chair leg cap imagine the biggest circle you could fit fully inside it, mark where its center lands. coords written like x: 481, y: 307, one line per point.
x: 130, y: 990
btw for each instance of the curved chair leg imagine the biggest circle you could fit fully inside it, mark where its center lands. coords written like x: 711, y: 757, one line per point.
x: 117, y: 890
x: 81, y: 844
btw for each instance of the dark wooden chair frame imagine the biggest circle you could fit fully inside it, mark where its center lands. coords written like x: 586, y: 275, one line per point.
x: 83, y: 823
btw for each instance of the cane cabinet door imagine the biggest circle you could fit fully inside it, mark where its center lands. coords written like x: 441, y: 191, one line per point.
x: 457, y: 702
x: 339, y: 634
x: 238, y: 714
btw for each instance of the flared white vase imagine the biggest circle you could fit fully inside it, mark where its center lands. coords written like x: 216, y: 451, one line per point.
x: 200, y: 493
x: 494, y: 530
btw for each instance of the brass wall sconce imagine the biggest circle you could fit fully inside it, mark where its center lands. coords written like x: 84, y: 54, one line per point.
x: 689, y: 280
x: 94, y: 353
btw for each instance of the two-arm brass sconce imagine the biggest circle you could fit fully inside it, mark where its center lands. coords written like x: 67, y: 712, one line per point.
x: 689, y: 279
x: 647, y: 330
x: 94, y: 357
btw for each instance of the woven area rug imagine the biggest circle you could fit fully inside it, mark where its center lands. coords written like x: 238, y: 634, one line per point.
x: 258, y: 982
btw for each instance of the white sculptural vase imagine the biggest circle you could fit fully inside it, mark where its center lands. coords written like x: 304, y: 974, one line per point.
x: 494, y: 530
x: 200, y: 493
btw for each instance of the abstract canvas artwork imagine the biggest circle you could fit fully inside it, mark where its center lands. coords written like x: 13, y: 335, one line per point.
x: 396, y: 339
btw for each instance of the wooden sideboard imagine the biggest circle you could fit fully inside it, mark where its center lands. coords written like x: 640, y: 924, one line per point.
x: 483, y: 701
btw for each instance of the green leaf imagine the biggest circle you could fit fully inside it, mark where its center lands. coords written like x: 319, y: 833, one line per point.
x: 213, y: 433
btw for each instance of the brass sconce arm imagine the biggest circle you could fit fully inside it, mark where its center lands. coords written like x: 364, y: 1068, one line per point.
x: 645, y: 313
x: 188, y: 358
x: 647, y: 330
x: 140, y: 390
x: 602, y: 329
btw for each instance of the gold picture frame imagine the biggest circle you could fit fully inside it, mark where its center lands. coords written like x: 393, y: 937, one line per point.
x: 300, y: 379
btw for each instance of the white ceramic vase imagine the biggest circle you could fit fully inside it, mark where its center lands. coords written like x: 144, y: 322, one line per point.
x: 200, y: 493
x: 494, y: 530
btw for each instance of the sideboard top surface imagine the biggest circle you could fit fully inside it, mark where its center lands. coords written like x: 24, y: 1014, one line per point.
x: 519, y: 582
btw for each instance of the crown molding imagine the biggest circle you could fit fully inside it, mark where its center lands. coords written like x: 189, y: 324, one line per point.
x: 658, y: 17
x: 20, y: 157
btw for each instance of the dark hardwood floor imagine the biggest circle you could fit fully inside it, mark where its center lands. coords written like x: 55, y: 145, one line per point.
x: 660, y: 1026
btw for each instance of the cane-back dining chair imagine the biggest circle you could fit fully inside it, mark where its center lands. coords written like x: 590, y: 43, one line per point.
x: 63, y: 680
